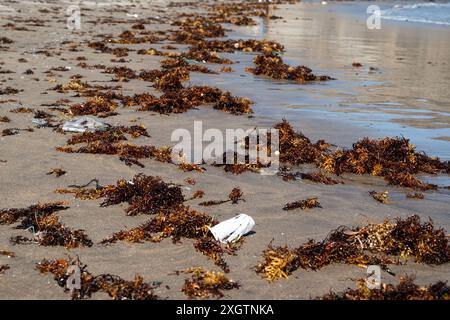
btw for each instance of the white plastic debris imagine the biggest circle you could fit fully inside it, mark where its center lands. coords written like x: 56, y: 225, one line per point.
x: 84, y: 124
x: 233, y: 229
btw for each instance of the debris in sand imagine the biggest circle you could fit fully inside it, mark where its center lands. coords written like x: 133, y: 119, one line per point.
x: 4, y: 267
x: 116, y: 287
x: 382, y: 197
x: 7, y: 253
x: 84, y: 124
x: 110, y: 134
x: 415, y: 195
x: 405, y: 290
x: 9, y: 91
x: 204, y: 284
x: 21, y: 110
x: 369, y: 245
x: 271, y: 65
x: 43, y: 222
x: 14, y: 131
x: 303, y: 204
x: 58, y: 172
x: 235, y: 196
x: 177, y: 223
x: 317, y: 177
x: 4, y: 119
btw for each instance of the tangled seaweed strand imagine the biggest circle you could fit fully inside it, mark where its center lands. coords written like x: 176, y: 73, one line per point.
x: 404, y: 238
x: 303, y: 204
x: 204, y: 284
x: 4, y: 267
x: 235, y: 196
x: 271, y: 65
x: 405, y: 290
x: 94, y: 106
x: 42, y: 220
x: 116, y: 287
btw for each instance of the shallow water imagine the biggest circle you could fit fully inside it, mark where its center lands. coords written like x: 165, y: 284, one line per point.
x: 401, y: 90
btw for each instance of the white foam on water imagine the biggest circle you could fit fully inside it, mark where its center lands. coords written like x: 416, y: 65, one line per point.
x: 430, y: 12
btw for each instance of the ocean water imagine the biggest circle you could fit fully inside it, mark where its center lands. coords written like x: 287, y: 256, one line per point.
x: 424, y: 12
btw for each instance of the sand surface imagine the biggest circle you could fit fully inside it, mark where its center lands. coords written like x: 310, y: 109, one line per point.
x: 29, y: 155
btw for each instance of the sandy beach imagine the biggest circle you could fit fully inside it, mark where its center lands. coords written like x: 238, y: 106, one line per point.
x: 386, y: 100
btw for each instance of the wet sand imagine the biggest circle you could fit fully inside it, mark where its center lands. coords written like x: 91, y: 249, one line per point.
x: 30, y: 155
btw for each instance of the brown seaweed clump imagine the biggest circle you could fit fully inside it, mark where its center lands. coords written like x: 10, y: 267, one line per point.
x: 116, y: 287
x: 7, y: 253
x: 405, y: 290
x: 110, y: 135
x: 303, y: 204
x: 371, y: 244
x: 94, y: 106
x: 204, y: 284
x: 393, y: 158
x: 4, y: 119
x: 295, y: 148
x: 272, y: 65
x: 144, y: 194
x: 43, y: 222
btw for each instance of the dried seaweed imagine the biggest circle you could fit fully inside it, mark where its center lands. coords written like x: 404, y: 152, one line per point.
x: 271, y: 65
x: 10, y: 216
x: 415, y: 195
x: 204, y: 284
x: 58, y: 172
x: 47, y: 230
x: 361, y: 246
x: 9, y: 91
x: 303, y: 204
x: 297, y: 149
x: 405, y: 290
x: 188, y: 167
x: 3, y: 268
x: 393, y: 158
x: 111, y: 135
x: 116, y: 287
x: 235, y: 196
x: 93, y: 106
x: 21, y: 110
x: 5, y: 119
x: 9, y: 254
x: 382, y: 197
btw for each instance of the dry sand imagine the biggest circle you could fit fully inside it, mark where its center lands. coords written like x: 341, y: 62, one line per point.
x: 30, y: 155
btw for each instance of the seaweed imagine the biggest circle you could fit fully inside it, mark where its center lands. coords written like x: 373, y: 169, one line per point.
x: 47, y: 230
x: 204, y: 284
x: 10, y: 216
x: 50, y: 232
x: 4, y: 267
x: 404, y: 179
x: 116, y: 287
x: 295, y: 148
x: 303, y: 204
x: 4, y: 119
x: 58, y: 172
x: 93, y: 106
x: 22, y: 110
x: 235, y: 196
x: 9, y: 254
x: 382, y: 197
x: 188, y: 167
x: 316, y: 177
x: 271, y: 65
x: 111, y: 135
x: 402, y: 238
x: 9, y: 91
x: 415, y: 195
x: 407, y: 289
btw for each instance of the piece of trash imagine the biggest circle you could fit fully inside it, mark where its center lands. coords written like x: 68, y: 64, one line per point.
x: 233, y: 229
x: 40, y: 122
x: 84, y: 124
